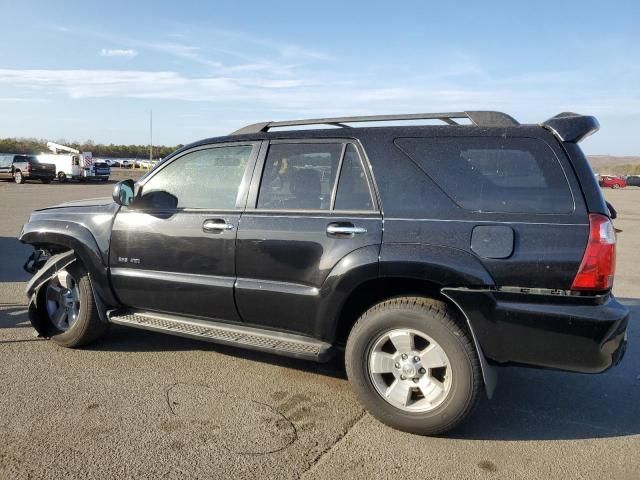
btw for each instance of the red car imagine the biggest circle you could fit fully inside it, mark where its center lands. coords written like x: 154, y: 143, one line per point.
x: 612, y: 182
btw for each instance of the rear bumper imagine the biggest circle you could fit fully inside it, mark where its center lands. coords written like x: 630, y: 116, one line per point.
x: 580, y: 334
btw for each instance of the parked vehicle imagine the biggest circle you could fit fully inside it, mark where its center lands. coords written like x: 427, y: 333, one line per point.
x: 101, y: 170
x: 70, y: 165
x: 633, y: 181
x: 497, y: 249
x: 610, y: 181
x: 21, y: 168
x: 112, y: 163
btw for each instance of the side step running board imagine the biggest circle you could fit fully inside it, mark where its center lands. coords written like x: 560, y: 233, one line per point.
x: 289, y: 345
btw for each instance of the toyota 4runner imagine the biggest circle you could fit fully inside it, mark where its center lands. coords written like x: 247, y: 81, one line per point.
x: 430, y: 254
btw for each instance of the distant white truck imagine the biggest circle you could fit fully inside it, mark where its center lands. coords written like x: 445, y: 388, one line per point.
x: 72, y: 164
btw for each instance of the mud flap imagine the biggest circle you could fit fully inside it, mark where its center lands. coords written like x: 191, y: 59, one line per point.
x: 489, y: 374
x: 57, y: 262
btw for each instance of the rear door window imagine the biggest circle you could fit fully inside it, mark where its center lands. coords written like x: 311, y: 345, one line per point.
x: 299, y: 176
x: 494, y: 174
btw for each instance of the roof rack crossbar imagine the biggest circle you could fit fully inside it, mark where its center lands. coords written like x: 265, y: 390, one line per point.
x: 478, y: 118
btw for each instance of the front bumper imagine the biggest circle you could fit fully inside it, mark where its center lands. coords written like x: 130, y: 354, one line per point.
x: 584, y: 334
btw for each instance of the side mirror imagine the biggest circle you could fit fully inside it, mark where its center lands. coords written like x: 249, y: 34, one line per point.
x: 123, y: 192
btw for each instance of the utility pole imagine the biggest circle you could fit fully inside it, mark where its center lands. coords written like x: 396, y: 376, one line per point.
x: 150, y: 135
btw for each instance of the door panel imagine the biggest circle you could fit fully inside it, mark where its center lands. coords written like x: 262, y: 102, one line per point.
x: 170, y: 264
x: 282, y: 262
x: 174, y: 249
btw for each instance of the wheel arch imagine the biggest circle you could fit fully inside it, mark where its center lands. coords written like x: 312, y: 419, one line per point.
x: 60, y: 236
x: 380, y: 289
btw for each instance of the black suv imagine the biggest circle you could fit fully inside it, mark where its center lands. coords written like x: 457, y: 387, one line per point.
x: 430, y: 253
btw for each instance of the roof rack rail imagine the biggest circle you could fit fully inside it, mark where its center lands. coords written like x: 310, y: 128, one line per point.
x: 478, y: 118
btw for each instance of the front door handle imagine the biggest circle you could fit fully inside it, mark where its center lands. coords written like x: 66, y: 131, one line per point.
x: 216, y: 225
x: 344, y: 230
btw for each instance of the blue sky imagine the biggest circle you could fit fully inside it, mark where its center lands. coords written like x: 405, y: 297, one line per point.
x: 80, y: 71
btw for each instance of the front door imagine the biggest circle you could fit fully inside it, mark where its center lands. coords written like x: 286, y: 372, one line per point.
x: 173, y: 249
x: 299, y: 224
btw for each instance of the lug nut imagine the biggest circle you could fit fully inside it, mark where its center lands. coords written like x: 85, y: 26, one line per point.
x: 423, y: 371
x: 415, y: 380
x: 397, y: 365
x: 402, y: 377
x: 404, y: 356
x: 416, y: 359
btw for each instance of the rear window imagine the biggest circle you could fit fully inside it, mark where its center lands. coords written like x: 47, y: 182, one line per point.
x: 25, y: 158
x: 494, y: 174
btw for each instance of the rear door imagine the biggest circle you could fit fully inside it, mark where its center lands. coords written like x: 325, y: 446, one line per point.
x: 173, y: 250
x: 301, y: 219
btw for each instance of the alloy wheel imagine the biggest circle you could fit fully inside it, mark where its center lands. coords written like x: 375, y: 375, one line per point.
x: 63, y: 301
x: 409, y: 370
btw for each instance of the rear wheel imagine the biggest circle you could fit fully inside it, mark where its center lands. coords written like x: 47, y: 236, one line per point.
x: 615, y: 186
x: 18, y: 177
x: 413, y: 365
x: 62, y: 177
x: 67, y: 302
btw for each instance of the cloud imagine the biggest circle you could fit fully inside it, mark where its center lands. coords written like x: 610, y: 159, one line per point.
x: 118, y: 52
x: 179, y: 50
x: 299, y: 92
x: 22, y: 100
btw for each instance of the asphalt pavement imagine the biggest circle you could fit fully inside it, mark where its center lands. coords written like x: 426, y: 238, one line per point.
x: 145, y: 405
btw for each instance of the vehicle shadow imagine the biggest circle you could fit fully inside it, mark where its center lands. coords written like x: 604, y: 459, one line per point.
x: 13, y: 254
x: 127, y: 339
x: 13, y: 315
x: 531, y: 404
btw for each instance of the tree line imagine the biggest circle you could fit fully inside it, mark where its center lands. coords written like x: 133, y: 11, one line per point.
x: 36, y: 145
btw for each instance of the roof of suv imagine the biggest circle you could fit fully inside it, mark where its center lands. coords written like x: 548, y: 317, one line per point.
x: 567, y: 126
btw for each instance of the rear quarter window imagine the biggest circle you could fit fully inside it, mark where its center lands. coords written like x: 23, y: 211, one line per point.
x: 494, y: 174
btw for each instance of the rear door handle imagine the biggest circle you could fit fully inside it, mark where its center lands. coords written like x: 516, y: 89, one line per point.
x: 216, y: 225
x: 344, y: 230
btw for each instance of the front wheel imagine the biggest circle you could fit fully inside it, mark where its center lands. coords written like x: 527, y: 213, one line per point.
x: 413, y: 365
x: 62, y: 177
x: 615, y: 186
x: 66, y: 300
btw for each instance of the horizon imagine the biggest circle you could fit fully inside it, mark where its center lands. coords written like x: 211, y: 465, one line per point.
x: 94, y: 72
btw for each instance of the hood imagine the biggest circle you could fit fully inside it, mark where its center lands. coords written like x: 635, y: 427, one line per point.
x: 89, y: 202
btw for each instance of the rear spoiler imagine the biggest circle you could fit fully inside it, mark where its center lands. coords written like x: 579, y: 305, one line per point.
x: 572, y: 127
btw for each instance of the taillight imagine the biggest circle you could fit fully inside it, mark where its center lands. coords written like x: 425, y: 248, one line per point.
x: 27, y: 168
x: 599, y: 261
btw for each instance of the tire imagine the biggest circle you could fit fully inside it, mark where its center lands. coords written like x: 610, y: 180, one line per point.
x: 445, y: 395
x: 46, y: 180
x: 615, y: 186
x: 18, y: 177
x: 86, y: 327
x: 62, y: 177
